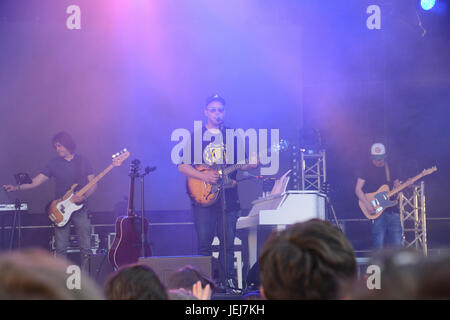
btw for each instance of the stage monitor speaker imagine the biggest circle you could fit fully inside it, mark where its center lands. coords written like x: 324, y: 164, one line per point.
x: 164, y: 267
x: 100, y: 268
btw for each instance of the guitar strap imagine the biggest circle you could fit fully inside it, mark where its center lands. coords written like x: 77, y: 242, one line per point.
x: 387, y: 172
x: 78, y: 173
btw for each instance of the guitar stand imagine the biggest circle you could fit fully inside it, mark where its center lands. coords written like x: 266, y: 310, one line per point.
x: 17, y: 224
x: 330, y: 206
x: 143, y: 240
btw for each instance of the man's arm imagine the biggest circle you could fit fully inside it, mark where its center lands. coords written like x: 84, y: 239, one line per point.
x: 361, y: 196
x: 35, y: 182
x: 91, y: 190
x: 190, y: 172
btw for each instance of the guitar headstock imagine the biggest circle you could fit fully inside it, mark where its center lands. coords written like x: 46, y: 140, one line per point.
x: 120, y: 157
x: 429, y: 171
x: 134, y: 168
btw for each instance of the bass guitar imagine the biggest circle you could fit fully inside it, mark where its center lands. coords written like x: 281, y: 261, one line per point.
x: 60, y: 210
x: 127, y: 245
x: 380, y: 198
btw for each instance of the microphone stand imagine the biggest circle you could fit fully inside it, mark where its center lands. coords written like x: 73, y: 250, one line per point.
x: 330, y: 206
x: 17, y: 224
x: 224, y: 212
x: 143, y: 240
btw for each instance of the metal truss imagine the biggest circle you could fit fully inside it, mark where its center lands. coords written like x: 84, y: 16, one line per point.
x: 413, y: 217
x: 313, y: 169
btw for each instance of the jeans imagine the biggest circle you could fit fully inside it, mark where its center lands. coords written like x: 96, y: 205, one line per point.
x: 82, y: 226
x: 208, y: 223
x: 387, y: 230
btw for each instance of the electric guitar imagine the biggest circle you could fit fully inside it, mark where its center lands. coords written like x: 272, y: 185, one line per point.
x: 205, y: 194
x: 60, y: 210
x: 380, y: 198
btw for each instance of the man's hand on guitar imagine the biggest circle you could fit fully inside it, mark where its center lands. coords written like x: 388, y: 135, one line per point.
x: 210, y: 177
x: 370, y: 208
x: 77, y: 199
x: 408, y: 183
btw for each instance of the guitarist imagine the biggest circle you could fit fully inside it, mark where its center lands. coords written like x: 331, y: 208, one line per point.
x: 208, y: 219
x: 67, y: 169
x: 386, y: 229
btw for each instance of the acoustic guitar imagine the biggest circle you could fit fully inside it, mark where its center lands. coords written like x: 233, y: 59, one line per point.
x: 380, y: 198
x: 60, y: 210
x: 127, y: 244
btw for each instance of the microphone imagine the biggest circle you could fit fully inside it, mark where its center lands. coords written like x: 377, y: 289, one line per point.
x: 219, y: 120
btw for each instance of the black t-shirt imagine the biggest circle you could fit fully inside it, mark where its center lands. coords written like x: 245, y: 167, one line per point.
x: 375, y: 177
x: 67, y: 173
x: 214, y: 152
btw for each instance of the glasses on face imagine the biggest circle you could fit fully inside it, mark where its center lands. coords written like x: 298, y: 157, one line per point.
x: 213, y: 110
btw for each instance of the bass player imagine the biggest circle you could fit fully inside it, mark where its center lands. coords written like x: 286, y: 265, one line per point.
x: 67, y: 168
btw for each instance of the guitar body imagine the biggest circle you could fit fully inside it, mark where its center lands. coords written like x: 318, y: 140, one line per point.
x: 203, y: 193
x: 61, y: 210
x: 206, y: 194
x: 126, y: 248
x: 379, y: 200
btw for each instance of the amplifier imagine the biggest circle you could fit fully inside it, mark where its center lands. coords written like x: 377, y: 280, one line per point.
x: 100, y: 268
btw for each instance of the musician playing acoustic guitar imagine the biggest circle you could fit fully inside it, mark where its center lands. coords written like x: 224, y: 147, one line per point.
x: 67, y: 168
x: 208, y: 219
x: 386, y: 229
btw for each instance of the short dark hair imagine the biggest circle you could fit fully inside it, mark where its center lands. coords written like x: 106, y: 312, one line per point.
x: 65, y: 139
x: 135, y: 282
x: 309, y: 260
x: 434, y: 281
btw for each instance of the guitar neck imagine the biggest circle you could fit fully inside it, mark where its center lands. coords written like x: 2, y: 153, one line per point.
x: 130, y: 209
x: 232, y: 168
x: 83, y: 190
x: 404, y: 185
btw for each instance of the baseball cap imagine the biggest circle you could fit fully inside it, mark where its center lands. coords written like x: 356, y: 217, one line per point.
x: 215, y: 97
x: 378, y: 151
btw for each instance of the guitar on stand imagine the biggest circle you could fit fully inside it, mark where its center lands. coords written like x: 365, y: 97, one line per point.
x: 131, y: 230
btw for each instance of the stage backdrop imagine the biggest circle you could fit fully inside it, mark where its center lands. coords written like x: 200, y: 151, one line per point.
x: 133, y: 73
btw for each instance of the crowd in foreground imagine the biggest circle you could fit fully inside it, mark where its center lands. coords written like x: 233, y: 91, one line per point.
x: 310, y: 260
